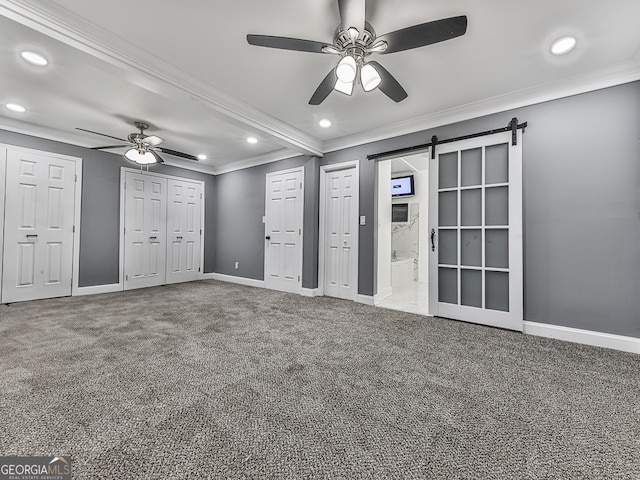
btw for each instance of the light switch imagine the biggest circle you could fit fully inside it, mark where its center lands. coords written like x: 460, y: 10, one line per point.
x: 363, y: 220
x: 264, y: 219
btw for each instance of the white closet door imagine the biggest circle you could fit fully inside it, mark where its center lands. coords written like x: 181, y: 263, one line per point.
x: 183, y: 230
x: 145, y: 247
x: 341, y: 224
x: 283, y: 250
x: 38, y: 227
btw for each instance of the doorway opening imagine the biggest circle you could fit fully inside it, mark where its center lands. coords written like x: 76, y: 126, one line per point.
x: 403, y: 236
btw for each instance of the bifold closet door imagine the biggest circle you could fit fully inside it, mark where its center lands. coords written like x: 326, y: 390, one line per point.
x: 183, y: 230
x: 38, y: 226
x: 145, y: 234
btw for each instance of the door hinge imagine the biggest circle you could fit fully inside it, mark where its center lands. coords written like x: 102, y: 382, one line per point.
x: 200, y: 231
x: 126, y: 277
x: 76, y: 178
x: 300, y: 185
x: 298, y: 277
x: 200, y: 196
x: 74, y: 229
x: 299, y: 231
x: 198, y: 268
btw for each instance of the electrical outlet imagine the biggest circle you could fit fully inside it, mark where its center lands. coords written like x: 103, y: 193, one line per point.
x: 237, y: 265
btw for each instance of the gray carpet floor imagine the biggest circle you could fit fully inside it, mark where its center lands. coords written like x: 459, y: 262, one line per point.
x: 215, y: 380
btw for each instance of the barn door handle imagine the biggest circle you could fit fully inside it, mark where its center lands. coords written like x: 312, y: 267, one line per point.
x: 433, y: 243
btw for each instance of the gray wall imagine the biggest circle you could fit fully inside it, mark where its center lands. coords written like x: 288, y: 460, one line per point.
x: 100, y: 207
x: 581, y: 209
x: 239, y: 209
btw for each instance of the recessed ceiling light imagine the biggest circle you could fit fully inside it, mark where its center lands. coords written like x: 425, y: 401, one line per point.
x: 16, y: 108
x: 563, y: 45
x: 325, y: 123
x: 202, y: 157
x: 34, y: 58
x: 252, y: 140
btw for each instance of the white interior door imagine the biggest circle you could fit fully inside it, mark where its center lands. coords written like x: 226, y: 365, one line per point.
x: 283, y: 230
x: 145, y: 223
x: 475, y: 221
x: 38, y: 226
x: 183, y: 230
x: 341, y: 233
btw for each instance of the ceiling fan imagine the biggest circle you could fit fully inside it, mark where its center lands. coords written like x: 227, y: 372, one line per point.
x: 354, y: 40
x: 142, y: 148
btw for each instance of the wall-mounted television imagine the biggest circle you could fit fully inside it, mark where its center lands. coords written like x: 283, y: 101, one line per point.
x: 402, y: 186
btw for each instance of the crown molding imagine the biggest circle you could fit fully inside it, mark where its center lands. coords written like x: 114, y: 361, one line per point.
x: 615, y: 75
x: 257, y: 160
x: 78, y: 140
x: 69, y: 28
x: 23, y: 127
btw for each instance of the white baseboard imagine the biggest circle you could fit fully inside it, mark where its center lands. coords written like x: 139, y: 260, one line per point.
x: 366, y: 299
x: 310, y: 292
x: 586, y: 337
x: 249, y: 282
x: 384, y: 293
x: 94, y: 290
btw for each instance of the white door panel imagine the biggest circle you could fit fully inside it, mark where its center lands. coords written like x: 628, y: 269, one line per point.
x: 145, y: 220
x: 183, y: 230
x: 341, y: 223
x: 475, y: 217
x: 38, y: 242
x: 283, y: 226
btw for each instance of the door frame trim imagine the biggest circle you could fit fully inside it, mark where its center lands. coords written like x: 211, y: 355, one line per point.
x: 324, y: 170
x: 124, y: 170
x: 77, y: 205
x: 266, y: 202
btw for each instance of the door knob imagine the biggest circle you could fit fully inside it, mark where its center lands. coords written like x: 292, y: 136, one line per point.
x: 268, y: 237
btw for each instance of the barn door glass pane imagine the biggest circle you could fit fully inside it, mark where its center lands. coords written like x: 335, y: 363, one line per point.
x: 473, y: 216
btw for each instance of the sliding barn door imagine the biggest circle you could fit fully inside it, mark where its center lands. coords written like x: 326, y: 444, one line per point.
x: 475, y: 218
x: 38, y: 227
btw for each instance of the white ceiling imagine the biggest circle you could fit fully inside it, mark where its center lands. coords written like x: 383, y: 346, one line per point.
x: 186, y: 68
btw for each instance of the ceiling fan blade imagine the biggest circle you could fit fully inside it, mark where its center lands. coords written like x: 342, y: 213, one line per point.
x: 425, y: 34
x: 389, y: 85
x: 110, y: 146
x: 324, y: 89
x: 158, y: 157
x: 103, y: 134
x: 352, y: 13
x: 176, y: 153
x: 153, y: 140
x: 287, y: 43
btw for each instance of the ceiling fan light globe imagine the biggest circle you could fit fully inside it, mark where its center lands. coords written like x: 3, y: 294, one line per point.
x: 141, y: 157
x: 347, y: 69
x: 344, y: 87
x: 369, y: 77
